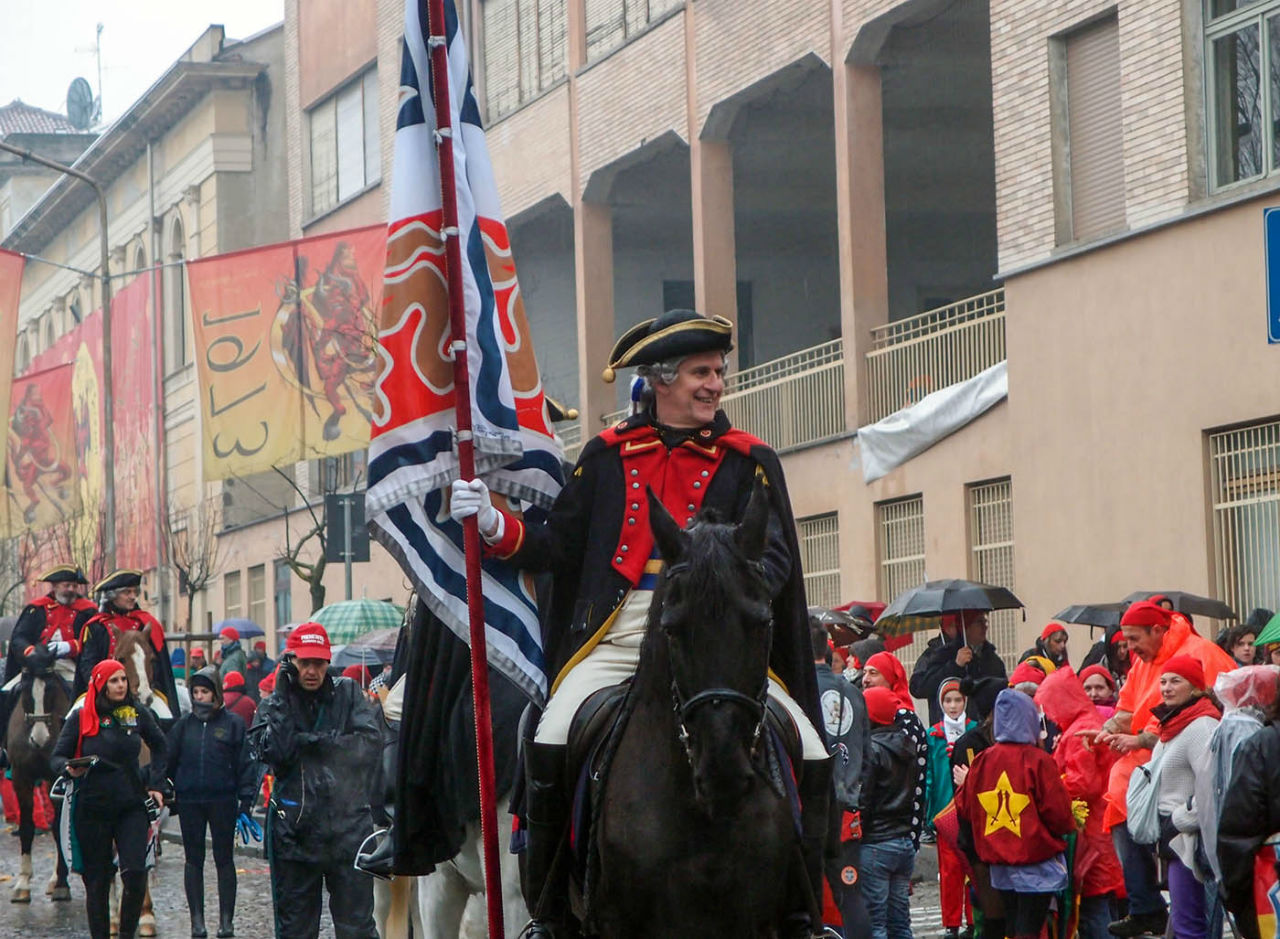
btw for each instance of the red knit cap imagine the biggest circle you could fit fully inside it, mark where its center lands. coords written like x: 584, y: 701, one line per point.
x: 1051, y: 629
x: 882, y: 705
x: 1186, y: 666
x: 1098, y: 670
x: 232, y: 680
x: 229, y: 632
x: 1026, y: 672
x: 1146, y: 613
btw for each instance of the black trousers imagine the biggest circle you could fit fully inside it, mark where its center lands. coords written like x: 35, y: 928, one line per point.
x: 1025, y: 913
x: 220, y: 817
x: 100, y: 833
x: 298, y: 891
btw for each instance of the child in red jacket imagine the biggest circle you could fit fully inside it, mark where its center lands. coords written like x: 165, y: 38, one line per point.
x: 1019, y: 811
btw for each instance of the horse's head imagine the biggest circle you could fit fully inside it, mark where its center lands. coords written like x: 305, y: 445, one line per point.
x: 134, y: 650
x: 712, y: 605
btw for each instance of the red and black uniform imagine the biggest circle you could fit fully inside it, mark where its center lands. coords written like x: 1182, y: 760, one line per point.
x: 596, y: 541
x: 45, y: 620
x: 98, y: 643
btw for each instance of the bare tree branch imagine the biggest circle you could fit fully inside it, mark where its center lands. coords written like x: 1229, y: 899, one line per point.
x: 195, y: 550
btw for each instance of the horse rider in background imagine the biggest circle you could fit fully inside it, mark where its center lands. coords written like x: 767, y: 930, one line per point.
x: 599, y: 548
x: 54, y: 621
x: 118, y: 594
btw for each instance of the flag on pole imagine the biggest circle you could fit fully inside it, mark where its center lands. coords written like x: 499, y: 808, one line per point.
x: 412, y: 451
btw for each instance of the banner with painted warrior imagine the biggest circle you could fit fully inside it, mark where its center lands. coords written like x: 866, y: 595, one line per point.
x: 40, y: 464
x: 134, y: 411
x: 286, y: 348
x: 10, y: 291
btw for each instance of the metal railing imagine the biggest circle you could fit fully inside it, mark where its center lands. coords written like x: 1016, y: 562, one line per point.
x: 571, y: 436
x: 912, y: 357
x: 788, y: 402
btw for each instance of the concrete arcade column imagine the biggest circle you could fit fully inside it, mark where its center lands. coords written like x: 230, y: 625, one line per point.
x: 864, y: 281
x: 593, y: 264
x: 715, y: 267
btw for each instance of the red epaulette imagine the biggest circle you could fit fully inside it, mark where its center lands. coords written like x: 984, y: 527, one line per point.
x: 45, y: 603
x: 625, y: 430
x: 148, y: 622
x: 740, y: 441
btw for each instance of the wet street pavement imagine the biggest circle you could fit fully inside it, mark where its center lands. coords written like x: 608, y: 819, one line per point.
x: 42, y: 918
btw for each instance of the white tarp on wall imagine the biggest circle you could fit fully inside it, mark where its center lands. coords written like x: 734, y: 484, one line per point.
x: 891, y: 441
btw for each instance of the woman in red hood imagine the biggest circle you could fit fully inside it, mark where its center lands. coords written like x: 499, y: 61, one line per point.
x: 1084, y: 770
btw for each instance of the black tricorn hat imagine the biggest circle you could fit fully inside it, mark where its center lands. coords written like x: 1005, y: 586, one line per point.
x: 671, y: 335
x: 118, y: 580
x: 63, y: 574
x: 558, y: 412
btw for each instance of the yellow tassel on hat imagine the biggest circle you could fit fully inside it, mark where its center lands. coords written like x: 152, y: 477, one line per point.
x: 608, y: 374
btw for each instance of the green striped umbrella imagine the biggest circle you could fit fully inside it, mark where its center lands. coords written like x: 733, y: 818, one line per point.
x: 351, y: 618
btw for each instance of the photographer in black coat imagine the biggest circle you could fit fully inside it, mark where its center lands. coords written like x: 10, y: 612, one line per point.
x: 110, y: 810
x: 961, y: 651
x: 319, y: 736
x: 215, y: 779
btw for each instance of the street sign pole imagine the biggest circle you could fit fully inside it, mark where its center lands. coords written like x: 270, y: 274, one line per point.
x: 346, y: 540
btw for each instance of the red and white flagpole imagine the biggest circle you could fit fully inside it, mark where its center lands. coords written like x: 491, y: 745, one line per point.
x: 438, y: 47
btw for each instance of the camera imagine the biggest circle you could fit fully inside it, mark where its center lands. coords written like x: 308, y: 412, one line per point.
x: 153, y: 810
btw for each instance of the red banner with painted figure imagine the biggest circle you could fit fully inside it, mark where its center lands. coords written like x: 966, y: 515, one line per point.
x: 10, y: 291
x: 41, y: 462
x: 286, y: 348
x: 134, y: 414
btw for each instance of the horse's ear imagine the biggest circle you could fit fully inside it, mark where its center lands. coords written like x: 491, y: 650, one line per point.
x: 667, y: 534
x: 754, y: 529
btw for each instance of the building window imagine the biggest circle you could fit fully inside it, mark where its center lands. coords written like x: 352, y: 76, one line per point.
x: 23, y: 358
x: 50, y: 331
x: 820, y: 558
x: 283, y: 593
x: 231, y: 598
x: 175, y: 300
x: 1245, y: 469
x: 1089, y: 117
x: 346, y: 153
x: 1242, y: 44
x: 258, y: 594
x: 525, y: 51
x: 991, y: 556
x: 610, y: 23
x: 900, y: 547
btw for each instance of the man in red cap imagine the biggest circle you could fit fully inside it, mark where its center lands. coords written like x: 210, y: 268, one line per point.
x: 1154, y: 634
x: 319, y: 737
x: 233, y: 657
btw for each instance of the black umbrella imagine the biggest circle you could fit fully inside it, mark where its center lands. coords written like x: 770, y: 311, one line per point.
x: 843, y: 626
x: 919, y: 607
x: 1093, y: 614
x: 1189, y: 603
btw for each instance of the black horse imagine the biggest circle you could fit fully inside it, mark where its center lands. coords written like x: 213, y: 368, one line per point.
x: 693, y: 838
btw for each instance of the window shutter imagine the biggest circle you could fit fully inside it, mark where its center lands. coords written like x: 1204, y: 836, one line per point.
x: 372, y: 138
x: 324, y: 168
x: 350, y: 118
x: 1094, y: 130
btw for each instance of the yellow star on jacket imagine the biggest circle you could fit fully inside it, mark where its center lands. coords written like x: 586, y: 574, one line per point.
x: 1004, y: 807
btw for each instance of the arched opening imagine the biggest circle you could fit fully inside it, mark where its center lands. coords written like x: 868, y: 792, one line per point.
x: 23, y: 357
x: 50, y: 331
x: 139, y: 260
x: 75, y: 307
x: 175, y: 300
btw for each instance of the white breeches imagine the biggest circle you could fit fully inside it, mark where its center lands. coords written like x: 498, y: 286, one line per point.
x: 614, y: 660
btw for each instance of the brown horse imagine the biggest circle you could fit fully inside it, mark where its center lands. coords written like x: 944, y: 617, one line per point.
x: 33, y: 730
x: 133, y: 648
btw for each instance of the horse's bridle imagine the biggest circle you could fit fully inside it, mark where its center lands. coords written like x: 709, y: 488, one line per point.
x: 684, y: 707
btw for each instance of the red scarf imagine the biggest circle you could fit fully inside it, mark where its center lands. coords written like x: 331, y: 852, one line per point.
x: 89, y: 721
x: 1175, y: 720
x: 888, y: 665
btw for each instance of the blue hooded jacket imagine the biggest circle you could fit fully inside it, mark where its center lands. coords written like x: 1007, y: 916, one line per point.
x: 1016, y: 719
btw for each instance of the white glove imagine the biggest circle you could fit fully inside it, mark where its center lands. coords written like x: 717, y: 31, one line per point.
x: 60, y: 647
x: 472, y: 498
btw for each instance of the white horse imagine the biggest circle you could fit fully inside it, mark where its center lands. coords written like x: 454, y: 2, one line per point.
x: 451, y: 901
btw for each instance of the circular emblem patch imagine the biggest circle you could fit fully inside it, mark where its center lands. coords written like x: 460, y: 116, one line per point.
x: 849, y: 876
x: 836, y: 716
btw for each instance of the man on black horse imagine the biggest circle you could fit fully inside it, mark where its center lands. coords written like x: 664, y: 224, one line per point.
x: 118, y: 594
x: 53, y: 621
x: 599, y: 548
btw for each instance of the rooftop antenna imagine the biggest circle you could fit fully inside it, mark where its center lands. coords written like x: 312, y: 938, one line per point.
x: 96, y: 49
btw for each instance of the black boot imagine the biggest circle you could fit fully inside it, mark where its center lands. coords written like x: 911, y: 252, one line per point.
x: 133, y: 890
x: 544, y: 875
x: 226, y: 900
x: 193, y: 882
x: 97, y: 905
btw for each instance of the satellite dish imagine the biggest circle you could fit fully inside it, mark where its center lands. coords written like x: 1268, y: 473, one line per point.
x: 80, y: 104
